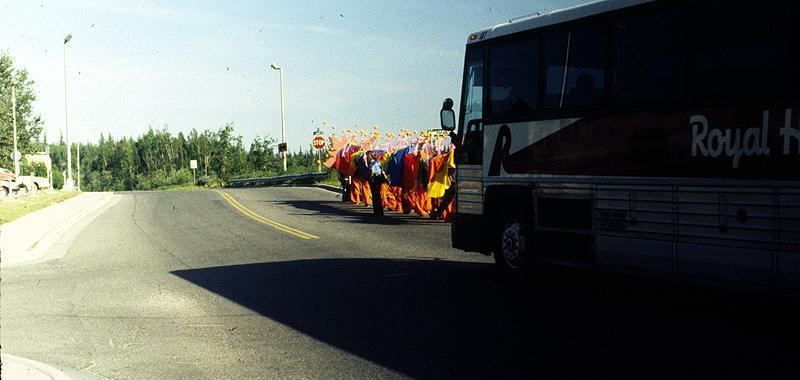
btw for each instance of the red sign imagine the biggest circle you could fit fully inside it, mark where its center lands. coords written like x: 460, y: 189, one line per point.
x: 318, y: 142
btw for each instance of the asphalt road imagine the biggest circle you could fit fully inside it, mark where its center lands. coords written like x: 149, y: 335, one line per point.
x: 188, y: 284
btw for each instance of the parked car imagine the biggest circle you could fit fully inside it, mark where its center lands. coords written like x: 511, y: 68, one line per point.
x: 8, y: 183
x: 33, y: 184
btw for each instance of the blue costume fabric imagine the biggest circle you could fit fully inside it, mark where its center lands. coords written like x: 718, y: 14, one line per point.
x: 395, y: 169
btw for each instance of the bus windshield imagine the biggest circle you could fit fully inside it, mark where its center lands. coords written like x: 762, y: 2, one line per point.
x: 471, y: 126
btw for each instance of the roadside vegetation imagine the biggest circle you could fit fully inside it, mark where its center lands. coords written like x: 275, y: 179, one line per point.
x: 15, y: 208
x: 189, y: 187
x: 332, y: 179
x: 157, y: 159
x: 29, y: 124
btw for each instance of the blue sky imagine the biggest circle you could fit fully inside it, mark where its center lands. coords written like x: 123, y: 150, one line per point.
x: 200, y: 64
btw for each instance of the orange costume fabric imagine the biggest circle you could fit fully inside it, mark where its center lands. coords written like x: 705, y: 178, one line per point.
x: 366, y: 192
x: 424, y: 206
x: 355, y: 192
x: 414, y: 195
x: 359, y: 192
x: 449, y: 212
x: 390, y: 199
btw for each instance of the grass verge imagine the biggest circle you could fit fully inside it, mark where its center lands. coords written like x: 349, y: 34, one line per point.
x: 189, y: 187
x: 16, y: 208
x: 330, y: 181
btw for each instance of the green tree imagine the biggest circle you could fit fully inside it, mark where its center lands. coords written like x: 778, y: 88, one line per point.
x: 29, y: 125
x: 262, y: 157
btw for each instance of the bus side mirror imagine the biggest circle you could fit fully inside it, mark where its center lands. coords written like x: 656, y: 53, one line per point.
x: 447, y: 116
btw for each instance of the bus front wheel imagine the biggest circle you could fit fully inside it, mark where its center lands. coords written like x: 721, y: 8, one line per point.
x: 511, y: 246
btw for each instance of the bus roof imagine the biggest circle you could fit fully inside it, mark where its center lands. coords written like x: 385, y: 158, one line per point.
x: 542, y: 19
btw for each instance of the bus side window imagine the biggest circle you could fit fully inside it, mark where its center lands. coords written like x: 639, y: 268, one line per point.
x: 745, y: 54
x: 555, y: 64
x: 575, y: 68
x: 649, y: 56
x: 513, y: 79
x: 471, y: 127
x: 585, y: 81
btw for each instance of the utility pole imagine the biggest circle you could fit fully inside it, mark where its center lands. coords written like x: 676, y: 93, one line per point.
x: 283, y: 127
x: 283, y: 124
x: 79, y: 164
x: 68, y: 183
x: 14, y: 153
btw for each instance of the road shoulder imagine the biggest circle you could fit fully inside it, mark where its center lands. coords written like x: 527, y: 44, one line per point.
x: 48, y: 233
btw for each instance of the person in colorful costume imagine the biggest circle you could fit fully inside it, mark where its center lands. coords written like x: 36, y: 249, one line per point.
x: 419, y: 167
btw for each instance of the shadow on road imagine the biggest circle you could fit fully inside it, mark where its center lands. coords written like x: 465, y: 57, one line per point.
x: 441, y: 319
x: 351, y: 213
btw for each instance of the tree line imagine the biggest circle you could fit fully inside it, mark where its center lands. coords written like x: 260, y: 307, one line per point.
x: 159, y: 159
x: 153, y: 160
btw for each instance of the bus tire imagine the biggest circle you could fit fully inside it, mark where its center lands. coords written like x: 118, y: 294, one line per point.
x: 511, y: 246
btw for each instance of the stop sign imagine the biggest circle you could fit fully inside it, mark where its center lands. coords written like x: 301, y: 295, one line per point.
x: 318, y: 142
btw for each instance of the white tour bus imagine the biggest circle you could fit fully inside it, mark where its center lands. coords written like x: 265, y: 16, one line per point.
x: 645, y: 136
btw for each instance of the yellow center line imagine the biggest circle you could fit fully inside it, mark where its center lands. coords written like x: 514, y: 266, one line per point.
x: 258, y: 218
x: 251, y: 214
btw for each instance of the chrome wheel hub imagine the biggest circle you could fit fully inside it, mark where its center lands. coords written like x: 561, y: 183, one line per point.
x: 513, y: 245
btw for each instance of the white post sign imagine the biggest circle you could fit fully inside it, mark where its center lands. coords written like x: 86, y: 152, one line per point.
x: 193, y: 166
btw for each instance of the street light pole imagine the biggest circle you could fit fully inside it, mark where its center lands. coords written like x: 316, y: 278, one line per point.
x: 79, y: 164
x: 14, y: 155
x: 68, y: 184
x: 283, y: 126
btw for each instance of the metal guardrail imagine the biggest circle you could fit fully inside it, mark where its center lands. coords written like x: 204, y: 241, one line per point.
x: 278, y: 180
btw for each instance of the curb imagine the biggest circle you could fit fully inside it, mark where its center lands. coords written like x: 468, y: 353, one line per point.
x: 329, y: 188
x: 333, y: 189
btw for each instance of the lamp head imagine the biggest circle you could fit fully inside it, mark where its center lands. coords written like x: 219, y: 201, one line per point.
x: 275, y: 66
x: 67, y: 38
